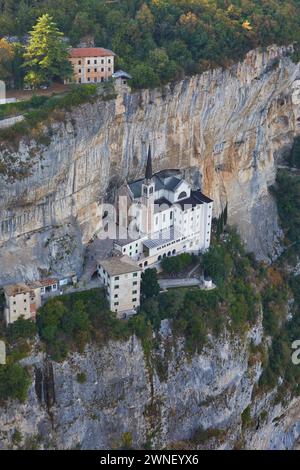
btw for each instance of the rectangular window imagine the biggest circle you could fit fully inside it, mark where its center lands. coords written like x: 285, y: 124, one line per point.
x: 95, y: 70
x: 134, y: 283
x: 102, y: 69
x: 95, y: 61
x: 116, y: 296
x: 79, y: 62
x: 133, y: 300
x: 109, y: 69
x: 134, y: 292
x: 117, y: 278
x: 135, y: 274
x: 79, y: 70
x: 116, y: 303
x: 102, y: 61
x: 109, y: 61
x: 88, y: 70
x: 89, y: 79
x: 116, y: 287
x: 171, y: 215
x: 88, y: 61
x: 95, y: 80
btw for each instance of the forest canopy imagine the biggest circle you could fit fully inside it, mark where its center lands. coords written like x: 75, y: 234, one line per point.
x: 160, y: 40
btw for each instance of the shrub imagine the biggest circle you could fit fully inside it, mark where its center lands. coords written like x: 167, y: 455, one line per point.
x: 81, y: 377
x: 14, y: 382
x: 149, y: 285
x: 67, y: 323
x: 177, y: 264
x: 21, y: 328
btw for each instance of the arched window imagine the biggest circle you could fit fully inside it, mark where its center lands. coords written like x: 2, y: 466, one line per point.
x: 173, y: 252
x: 169, y: 253
x: 182, y: 195
x: 146, y: 263
x: 159, y: 258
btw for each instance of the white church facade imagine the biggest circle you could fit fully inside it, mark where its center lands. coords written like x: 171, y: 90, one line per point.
x: 169, y: 218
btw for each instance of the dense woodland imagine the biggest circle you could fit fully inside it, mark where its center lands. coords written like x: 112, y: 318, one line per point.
x: 160, y: 40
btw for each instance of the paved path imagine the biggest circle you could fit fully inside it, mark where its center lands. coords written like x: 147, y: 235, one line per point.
x: 168, y: 283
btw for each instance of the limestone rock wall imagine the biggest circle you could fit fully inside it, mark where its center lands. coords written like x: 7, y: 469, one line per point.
x: 227, y: 128
x: 162, y: 405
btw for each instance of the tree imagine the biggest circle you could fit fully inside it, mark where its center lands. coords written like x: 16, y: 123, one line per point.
x: 149, y: 285
x: 14, y: 382
x: 46, y: 56
x: 6, y: 59
x: 179, y: 263
x: 144, y: 76
x: 21, y: 328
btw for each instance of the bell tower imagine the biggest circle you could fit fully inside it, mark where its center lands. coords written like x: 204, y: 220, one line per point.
x: 148, y: 196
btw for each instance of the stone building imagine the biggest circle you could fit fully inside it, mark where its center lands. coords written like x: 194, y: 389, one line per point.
x: 122, y: 278
x: 21, y: 300
x: 92, y: 64
x: 121, y: 80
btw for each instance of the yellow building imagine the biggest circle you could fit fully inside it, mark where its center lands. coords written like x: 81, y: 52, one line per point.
x: 21, y: 300
x: 92, y: 64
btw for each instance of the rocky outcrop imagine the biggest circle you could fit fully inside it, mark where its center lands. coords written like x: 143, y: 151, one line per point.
x: 162, y: 403
x: 227, y: 128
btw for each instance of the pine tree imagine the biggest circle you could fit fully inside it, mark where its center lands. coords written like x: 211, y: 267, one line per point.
x: 46, y: 56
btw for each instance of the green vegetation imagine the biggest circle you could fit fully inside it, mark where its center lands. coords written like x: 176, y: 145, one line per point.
x: 246, y: 418
x: 17, y: 437
x: 201, y: 436
x: 14, y: 379
x: 149, y: 285
x: 177, y: 264
x: 284, y: 286
x: 14, y: 382
x: 67, y: 323
x: 81, y: 377
x: 46, y: 56
x: 41, y: 110
x: 21, y: 329
x: 126, y: 441
x: 159, y: 40
x: 294, y: 159
x: 287, y: 193
x: 194, y: 312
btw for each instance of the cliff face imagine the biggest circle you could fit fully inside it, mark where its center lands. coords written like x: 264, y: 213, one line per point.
x: 162, y: 405
x: 227, y: 129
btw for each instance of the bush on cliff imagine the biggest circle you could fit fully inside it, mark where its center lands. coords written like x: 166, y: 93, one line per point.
x: 67, y: 323
x: 177, y: 264
x: 14, y: 382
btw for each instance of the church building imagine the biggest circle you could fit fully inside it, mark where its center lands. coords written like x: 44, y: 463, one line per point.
x: 169, y: 218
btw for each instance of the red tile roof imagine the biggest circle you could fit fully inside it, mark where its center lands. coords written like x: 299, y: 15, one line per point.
x: 90, y: 52
x: 48, y: 282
